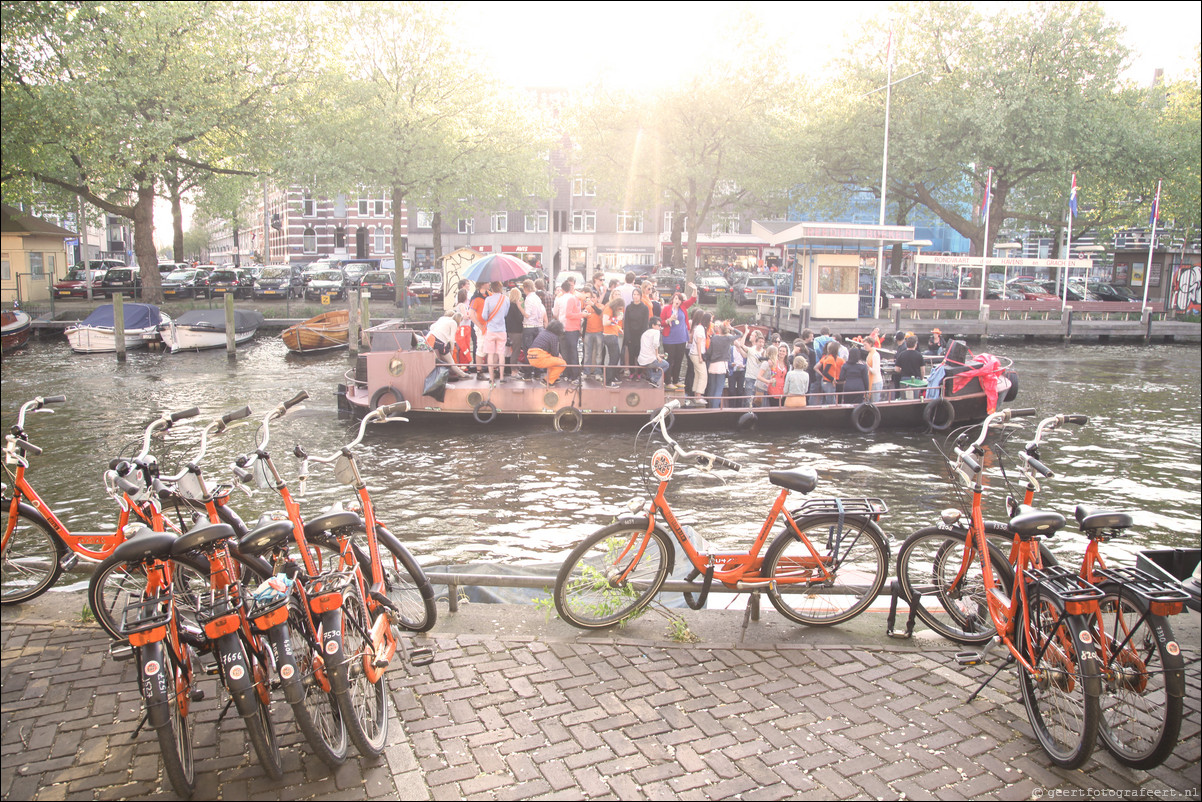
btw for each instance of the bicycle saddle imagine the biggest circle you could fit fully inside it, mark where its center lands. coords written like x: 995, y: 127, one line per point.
x: 1030, y: 522
x: 265, y: 537
x: 332, y: 520
x: 201, y: 536
x: 1088, y: 518
x: 803, y: 480
x: 147, y: 545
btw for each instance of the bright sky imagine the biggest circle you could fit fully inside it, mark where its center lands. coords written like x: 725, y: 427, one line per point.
x: 646, y: 44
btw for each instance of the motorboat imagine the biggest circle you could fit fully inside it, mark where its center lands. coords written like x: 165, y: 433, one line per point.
x: 17, y: 328
x: 198, y: 329
x: 97, y: 333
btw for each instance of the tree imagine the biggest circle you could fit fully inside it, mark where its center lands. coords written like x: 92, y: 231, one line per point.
x: 1033, y: 94
x: 100, y: 99
x: 716, y: 143
x: 1180, y: 131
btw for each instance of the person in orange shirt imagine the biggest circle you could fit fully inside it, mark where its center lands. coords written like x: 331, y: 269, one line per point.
x: 594, y: 335
x: 828, y: 371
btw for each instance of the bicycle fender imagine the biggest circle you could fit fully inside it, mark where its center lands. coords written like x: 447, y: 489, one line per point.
x: 391, y: 541
x: 238, y: 674
x: 36, y: 514
x: 153, y: 671
x: 332, y: 653
x: 285, y: 664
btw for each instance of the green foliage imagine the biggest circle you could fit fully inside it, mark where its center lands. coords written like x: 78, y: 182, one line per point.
x: 727, y: 310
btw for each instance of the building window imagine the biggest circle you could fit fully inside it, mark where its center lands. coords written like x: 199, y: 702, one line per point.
x: 583, y: 187
x: 538, y: 223
x: 425, y: 219
x: 364, y: 203
x: 309, y: 207
x: 36, y: 267
x: 467, y: 225
x: 630, y: 222
x: 584, y: 222
x: 726, y: 224
x: 310, y: 241
x: 339, y: 237
x: 500, y: 222
x: 6, y: 270
x: 381, y: 243
x: 340, y: 205
x: 371, y: 207
x: 379, y: 207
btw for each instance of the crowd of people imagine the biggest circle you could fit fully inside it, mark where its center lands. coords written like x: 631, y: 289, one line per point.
x: 615, y: 331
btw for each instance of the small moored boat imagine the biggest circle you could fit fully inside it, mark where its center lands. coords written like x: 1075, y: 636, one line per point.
x: 97, y: 334
x: 325, y: 332
x: 205, y: 328
x: 17, y: 326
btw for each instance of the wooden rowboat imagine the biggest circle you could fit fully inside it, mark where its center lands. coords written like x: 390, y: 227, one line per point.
x: 325, y: 332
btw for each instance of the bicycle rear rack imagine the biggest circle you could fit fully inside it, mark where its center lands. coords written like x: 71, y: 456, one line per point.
x: 872, y: 508
x: 1158, y: 595
x: 145, y: 614
x: 1066, y: 587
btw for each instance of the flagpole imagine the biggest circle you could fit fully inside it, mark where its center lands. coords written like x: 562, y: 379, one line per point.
x: 985, y: 249
x: 1151, y: 243
x: 1068, y: 245
x: 880, y: 245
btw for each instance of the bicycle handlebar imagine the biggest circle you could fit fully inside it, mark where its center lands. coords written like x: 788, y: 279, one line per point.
x: 704, y: 459
x: 965, y: 456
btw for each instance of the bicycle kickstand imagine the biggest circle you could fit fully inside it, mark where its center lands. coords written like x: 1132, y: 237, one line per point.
x: 976, y: 659
x: 752, y: 613
x: 894, y: 595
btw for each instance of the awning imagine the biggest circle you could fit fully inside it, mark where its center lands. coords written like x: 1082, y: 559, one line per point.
x: 786, y: 232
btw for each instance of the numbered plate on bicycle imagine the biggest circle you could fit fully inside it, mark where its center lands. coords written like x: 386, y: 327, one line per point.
x: 661, y: 464
x: 189, y: 487
x: 261, y: 474
x: 344, y: 471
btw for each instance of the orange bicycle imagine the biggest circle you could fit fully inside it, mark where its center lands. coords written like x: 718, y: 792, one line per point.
x: 826, y: 566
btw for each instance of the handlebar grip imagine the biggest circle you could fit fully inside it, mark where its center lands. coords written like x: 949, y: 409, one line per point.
x: 399, y: 408
x: 720, y: 462
x: 673, y: 404
x: 1021, y: 413
x: 301, y: 396
x: 187, y: 413
x: 1039, y: 467
x: 27, y: 447
x: 242, y: 474
x: 163, y: 491
x: 971, y: 463
x: 1080, y: 420
x: 129, y: 487
x: 239, y: 414
x: 53, y: 399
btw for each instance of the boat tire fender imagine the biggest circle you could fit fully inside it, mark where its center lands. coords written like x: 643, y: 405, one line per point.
x: 568, y: 419
x: 379, y: 397
x: 939, y: 414
x: 484, y: 412
x: 747, y: 421
x: 866, y: 417
x: 1012, y: 393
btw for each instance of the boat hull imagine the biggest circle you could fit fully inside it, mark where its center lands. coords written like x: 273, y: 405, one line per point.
x: 186, y: 338
x: 17, y: 328
x: 100, y: 339
x: 326, y: 332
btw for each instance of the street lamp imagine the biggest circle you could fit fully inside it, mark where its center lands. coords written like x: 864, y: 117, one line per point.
x: 919, y: 244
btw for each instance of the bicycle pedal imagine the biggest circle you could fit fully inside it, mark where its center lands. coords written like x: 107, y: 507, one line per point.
x: 69, y: 561
x: 896, y: 635
x: 971, y: 658
x: 380, y: 662
x: 422, y: 656
x: 121, y: 650
x: 197, y: 695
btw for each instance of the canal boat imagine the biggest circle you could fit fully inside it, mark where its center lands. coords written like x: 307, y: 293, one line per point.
x: 325, y: 332
x: 97, y: 333
x: 401, y: 367
x: 198, y: 329
x: 17, y: 326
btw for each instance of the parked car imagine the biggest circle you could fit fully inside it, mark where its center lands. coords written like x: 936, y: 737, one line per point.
x: 279, y: 281
x: 186, y: 283
x: 75, y: 285
x: 999, y: 291
x: 747, y: 289
x: 896, y: 287
x: 1109, y: 292
x: 228, y: 280
x: 937, y: 288
x: 668, y: 281
x: 331, y: 283
x: 380, y: 283
x: 427, y: 285
x: 353, y: 271
x: 712, y: 287
x: 1032, y: 291
x: 121, y: 281
x: 167, y: 268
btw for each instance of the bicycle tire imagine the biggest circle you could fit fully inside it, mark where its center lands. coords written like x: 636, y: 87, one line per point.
x: 316, y: 712
x: 585, y: 593
x: 115, y: 584
x: 1061, y: 695
x: 245, y: 680
x: 1143, y: 681
x: 174, y: 734
x: 859, y: 562
x: 261, y: 734
x: 363, y: 703
x: 927, y: 566
x: 406, y: 584
x: 32, y: 559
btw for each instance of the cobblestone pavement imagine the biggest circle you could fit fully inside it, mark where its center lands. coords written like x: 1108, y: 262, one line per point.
x: 506, y: 716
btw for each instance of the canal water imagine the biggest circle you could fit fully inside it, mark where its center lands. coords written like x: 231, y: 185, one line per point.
x: 523, y: 497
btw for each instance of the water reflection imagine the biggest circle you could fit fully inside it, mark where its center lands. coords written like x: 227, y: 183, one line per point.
x: 527, y: 496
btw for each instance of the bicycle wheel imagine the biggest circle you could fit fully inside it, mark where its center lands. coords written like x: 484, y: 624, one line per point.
x: 32, y: 557
x: 1061, y: 694
x: 944, y: 591
x: 1143, y: 682
x: 597, y: 587
x: 406, y: 585
x: 175, y: 734
x: 364, y: 706
x: 316, y: 713
x: 115, y: 584
x: 854, y: 552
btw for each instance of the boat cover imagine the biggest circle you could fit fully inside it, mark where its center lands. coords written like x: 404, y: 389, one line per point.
x: 214, y: 319
x: 137, y: 316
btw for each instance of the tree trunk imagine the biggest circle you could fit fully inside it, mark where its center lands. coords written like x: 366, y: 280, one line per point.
x: 690, y: 253
x: 678, y: 221
x: 144, y: 250
x: 436, y: 224
x: 177, y: 223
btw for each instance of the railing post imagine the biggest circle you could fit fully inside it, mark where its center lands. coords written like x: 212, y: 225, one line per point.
x: 1146, y: 322
x: 984, y: 321
x: 1067, y: 314
x: 352, y: 323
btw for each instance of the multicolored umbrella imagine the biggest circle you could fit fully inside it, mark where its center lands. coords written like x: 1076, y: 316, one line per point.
x: 496, y: 267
